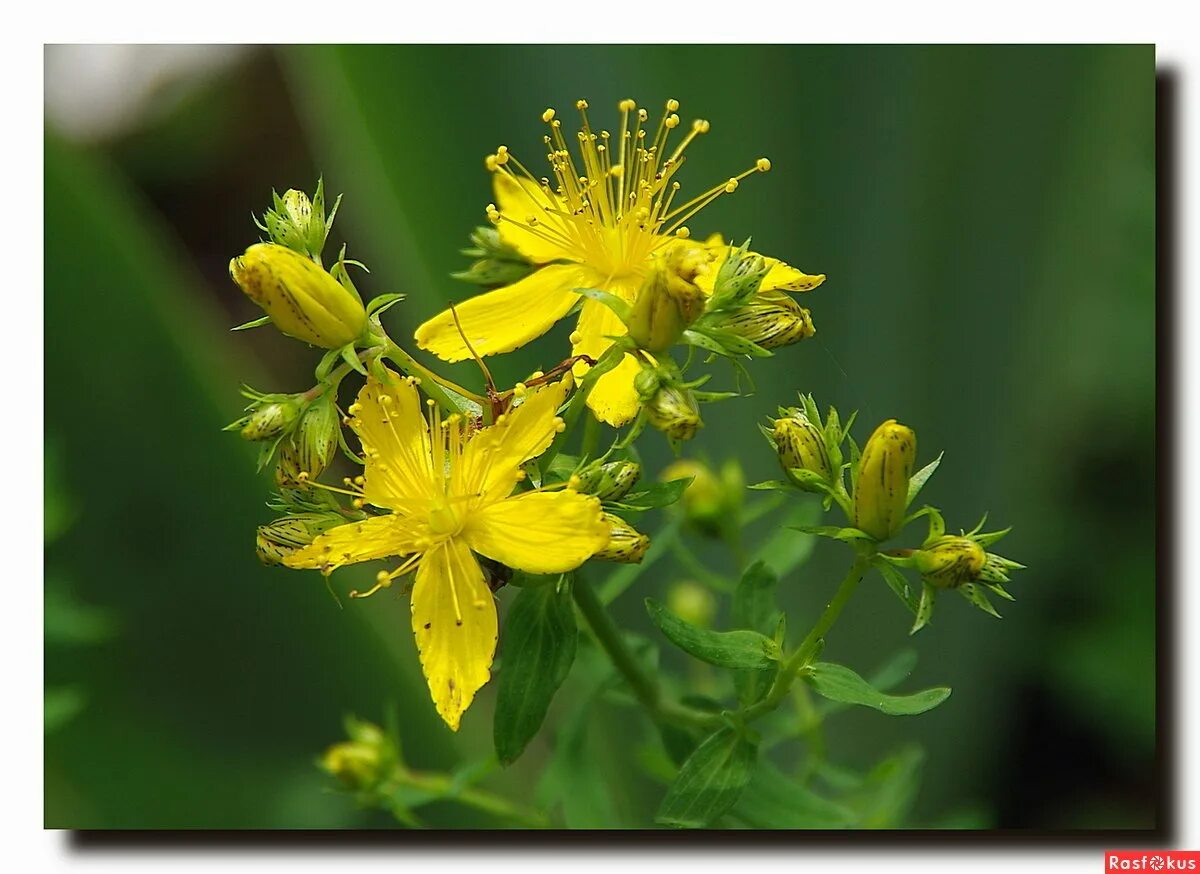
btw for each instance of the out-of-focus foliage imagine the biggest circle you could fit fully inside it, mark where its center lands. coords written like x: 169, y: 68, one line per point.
x: 985, y: 217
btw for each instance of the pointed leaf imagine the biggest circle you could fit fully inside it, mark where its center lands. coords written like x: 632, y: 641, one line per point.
x: 898, y: 583
x: 839, y: 683
x: 710, y: 781
x: 924, y: 608
x: 773, y: 801
x: 917, y: 481
x: 725, y: 649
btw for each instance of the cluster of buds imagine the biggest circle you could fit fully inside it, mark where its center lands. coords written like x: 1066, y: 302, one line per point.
x: 269, y: 416
x: 298, y: 223
x: 310, y: 447
x: 670, y: 404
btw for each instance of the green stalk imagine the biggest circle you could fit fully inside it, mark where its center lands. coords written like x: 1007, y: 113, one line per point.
x: 433, y: 385
x: 480, y: 799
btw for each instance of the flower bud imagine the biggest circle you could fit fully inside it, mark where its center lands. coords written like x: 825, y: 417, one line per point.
x: 770, y: 319
x: 302, y: 300
x: 270, y: 420
x: 611, y: 481
x: 738, y: 278
x: 950, y: 561
x: 692, y: 603
x: 363, y: 761
x: 625, y: 543
x: 710, y: 502
x: 881, y: 490
x: 312, y: 445
x: 673, y: 410
x: 801, y: 445
x: 277, y: 540
x: 669, y: 299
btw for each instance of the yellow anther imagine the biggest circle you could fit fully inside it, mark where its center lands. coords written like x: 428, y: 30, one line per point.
x: 731, y: 186
x: 386, y: 400
x: 672, y: 105
x: 701, y: 126
x: 559, y: 426
x: 360, y: 480
x: 763, y: 165
x: 548, y: 116
x: 354, y: 409
x: 357, y: 503
x: 627, y: 105
x: 302, y: 476
x: 576, y: 338
x: 531, y: 220
x: 682, y: 232
x: 672, y: 121
x: 490, y: 163
x: 581, y: 104
x: 382, y: 578
x: 643, y: 115
x: 537, y: 374
x: 520, y: 476
x: 519, y: 390
x: 429, y: 402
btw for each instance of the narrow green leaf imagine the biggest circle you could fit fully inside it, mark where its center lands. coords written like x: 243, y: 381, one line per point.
x: 924, y: 607
x: 539, y: 647
x: 754, y: 606
x: 657, y: 495
x: 887, y: 792
x: 898, y: 583
x: 614, y: 303
x: 839, y: 683
x: 253, y: 323
x: 773, y: 801
x: 917, y: 481
x: 725, y: 649
x: 710, y: 782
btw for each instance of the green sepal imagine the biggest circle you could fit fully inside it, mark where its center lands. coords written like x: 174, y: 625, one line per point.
x: 253, y: 323
x: 725, y: 649
x: 614, y: 303
x: 917, y: 481
x: 924, y: 607
x: 898, y: 583
x: 711, y: 780
x: 847, y: 535
x: 654, y: 497
x: 839, y: 683
x: 382, y: 303
x: 350, y: 356
x: 975, y: 595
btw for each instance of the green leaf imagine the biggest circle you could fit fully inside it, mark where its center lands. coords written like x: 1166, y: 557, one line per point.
x: 773, y: 801
x: 924, y: 607
x: 898, y: 583
x: 917, y: 481
x: 710, y: 782
x: 839, y: 683
x: 887, y: 792
x: 848, y: 535
x: 785, y: 550
x: 614, y: 303
x: 253, y: 323
x: 975, y: 595
x: 539, y: 647
x: 725, y: 649
x: 771, y: 485
x: 657, y: 495
x: 754, y: 606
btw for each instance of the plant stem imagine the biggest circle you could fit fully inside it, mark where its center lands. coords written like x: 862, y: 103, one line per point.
x: 443, y: 786
x: 808, y: 647
x: 644, y: 687
x: 432, y: 384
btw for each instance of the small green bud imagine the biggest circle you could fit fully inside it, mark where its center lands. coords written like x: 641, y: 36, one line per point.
x: 710, y: 502
x: 801, y: 445
x: 738, y: 278
x: 626, y: 544
x: 610, y: 481
x: 950, y: 561
x: 362, y: 762
x: 312, y: 445
x: 692, y: 603
x: 646, y: 383
x: 669, y: 299
x: 770, y: 319
x: 270, y: 420
x: 673, y: 410
x: 881, y: 491
x: 301, y: 298
x: 276, y: 540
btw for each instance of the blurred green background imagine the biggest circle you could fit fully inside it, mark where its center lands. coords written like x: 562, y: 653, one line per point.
x: 986, y: 219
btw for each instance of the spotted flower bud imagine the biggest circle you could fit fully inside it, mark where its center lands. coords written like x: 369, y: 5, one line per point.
x: 803, y: 452
x: 625, y: 543
x: 738, y: 278
x: 673, y: 410
x: 669, y: 299
x: 277, y: 540
x: 312, y: 445
x: 770, y: 319
x: 610, y: 481
x: 692, y: 603
x: 950, y: 561
x: 881, y: 489
x: 302, y: 300
x: 269, y: 420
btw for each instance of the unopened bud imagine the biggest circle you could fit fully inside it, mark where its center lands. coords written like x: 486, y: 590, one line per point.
x: 312, y: 445
x: 669, y: 299
x: 692, y: 603
x: 363, y: 761
x: 610, y: 481
x: 770, y: 319
x: 881, y: 490
x: 801, y: 446
x: 710, y: 502
x: 269, y: 420
x: 673, y: 410
x: 302, y: 299
x: 738, y: 278
x: 625, y: 543
x: 277, y: 540
x: 950, y: 561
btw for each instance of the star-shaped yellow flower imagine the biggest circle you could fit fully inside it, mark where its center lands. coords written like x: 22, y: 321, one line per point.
x: 598, y: 223
x: 448, y: 492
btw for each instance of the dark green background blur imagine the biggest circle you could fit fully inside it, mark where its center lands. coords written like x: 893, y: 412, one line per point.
x: 986, y: 219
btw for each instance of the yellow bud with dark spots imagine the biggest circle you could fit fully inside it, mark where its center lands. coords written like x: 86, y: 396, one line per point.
x: 801, y: 446
x: 770, y: 319
x: 269, y: 420
x: 669, y: 300
x: 673, y: 410
x: 625, y: 543
x: 277, y: 540
x: 302, y: 299
x: 610, y: 481
x: 311, y: 446
x: 950, y: 561
x: 881, y: 490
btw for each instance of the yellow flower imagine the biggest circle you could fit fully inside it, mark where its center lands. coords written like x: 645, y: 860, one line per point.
x: 598, y: 222
x: 449, y: 490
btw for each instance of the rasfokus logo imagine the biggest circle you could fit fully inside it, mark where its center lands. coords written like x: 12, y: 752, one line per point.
x: 1152, y: 860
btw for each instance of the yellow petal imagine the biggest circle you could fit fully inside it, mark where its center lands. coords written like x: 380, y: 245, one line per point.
x: 780, y: 276
x: 539, y: 532
x: 454, y: 620
x: 502, y: 320
x: 492, y: 457
x: 377, y: 537
x: 613, y: 399
x: 395, y: 440
x: 520, y: 200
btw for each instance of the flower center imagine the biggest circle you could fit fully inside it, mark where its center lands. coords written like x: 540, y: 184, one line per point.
x: 443, y: 520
